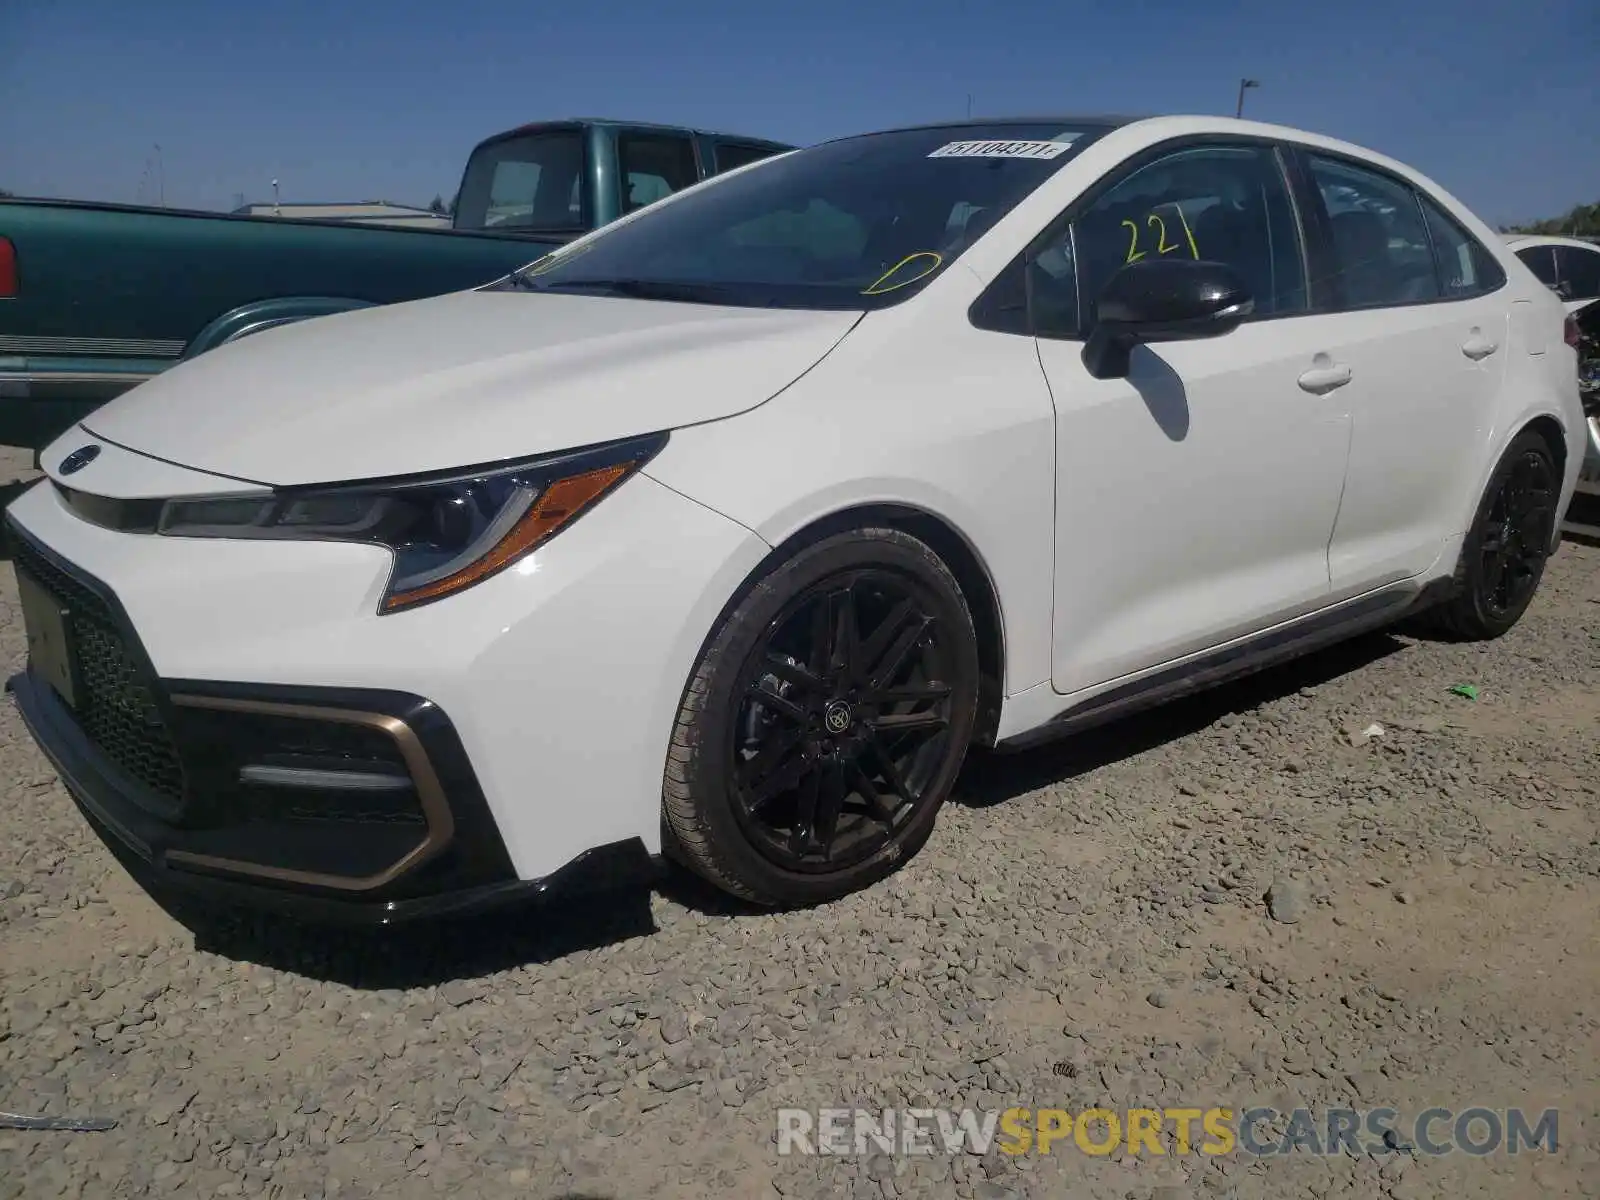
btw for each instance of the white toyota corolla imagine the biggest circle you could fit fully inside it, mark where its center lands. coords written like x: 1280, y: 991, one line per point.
x: 723, y: 532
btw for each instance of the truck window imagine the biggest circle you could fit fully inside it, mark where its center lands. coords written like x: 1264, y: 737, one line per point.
x: 736, y: 154
x: 529, y: 182
x: 653, y: 166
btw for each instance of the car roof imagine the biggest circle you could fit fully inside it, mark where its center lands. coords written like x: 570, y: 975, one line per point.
x: 1549, y: 239
x: 618, y: 123
x: 1161, y: 125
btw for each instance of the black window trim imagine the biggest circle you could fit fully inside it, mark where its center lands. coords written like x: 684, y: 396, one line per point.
x: 985, y: 311
x: 1312, y: 200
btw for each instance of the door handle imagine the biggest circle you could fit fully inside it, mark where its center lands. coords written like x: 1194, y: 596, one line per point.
x: 1477, y: 347
x: 1319, y: 381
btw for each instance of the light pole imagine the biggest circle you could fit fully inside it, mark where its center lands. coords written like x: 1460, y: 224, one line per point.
x: 277, y: 210
x: 1244, y: 84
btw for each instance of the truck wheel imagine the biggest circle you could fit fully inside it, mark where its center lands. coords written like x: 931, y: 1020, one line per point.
x: 1503, y: 557
x: 825, y: 722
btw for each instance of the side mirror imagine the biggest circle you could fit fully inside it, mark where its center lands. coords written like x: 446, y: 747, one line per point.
x: 1163, y: 300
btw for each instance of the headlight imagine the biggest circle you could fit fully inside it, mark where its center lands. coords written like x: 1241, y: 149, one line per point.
x: 447, y: 532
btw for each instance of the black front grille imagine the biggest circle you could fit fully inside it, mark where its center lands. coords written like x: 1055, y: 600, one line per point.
x: 116, y: 697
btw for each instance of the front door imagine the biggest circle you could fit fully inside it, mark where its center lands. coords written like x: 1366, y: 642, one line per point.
x: 1196, y: 497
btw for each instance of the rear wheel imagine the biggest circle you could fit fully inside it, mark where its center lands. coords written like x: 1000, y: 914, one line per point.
x: 825, y: 723
x: 1503, y: 557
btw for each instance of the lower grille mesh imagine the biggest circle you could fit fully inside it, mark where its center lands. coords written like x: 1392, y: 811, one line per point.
x: 117, y: 707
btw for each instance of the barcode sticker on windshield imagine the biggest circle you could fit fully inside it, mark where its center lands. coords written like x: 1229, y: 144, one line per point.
x: 999, y: 149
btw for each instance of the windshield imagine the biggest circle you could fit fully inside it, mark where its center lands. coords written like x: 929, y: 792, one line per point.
x: 857, y: 223
x: 534, y: 181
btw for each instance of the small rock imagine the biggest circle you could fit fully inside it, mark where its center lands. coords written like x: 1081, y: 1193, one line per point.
x: 1361, y: 735
x: 1403, y: 897
x: 1286, y: 901
x: 1159, y: 999
x: 458, y: 992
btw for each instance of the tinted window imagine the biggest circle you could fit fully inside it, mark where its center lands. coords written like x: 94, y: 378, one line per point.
x: 734, y: 154
x: 857, y: 223
x: 1380, y: 242
x: 654, y: 166
x: 533, y: 182
x: 1541, y: 260
x: 1579, y: 271
x: 1463, y: 266
x: 1219, y: 203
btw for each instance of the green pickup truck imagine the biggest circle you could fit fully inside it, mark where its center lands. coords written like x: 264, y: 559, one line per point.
x: 95, y: 298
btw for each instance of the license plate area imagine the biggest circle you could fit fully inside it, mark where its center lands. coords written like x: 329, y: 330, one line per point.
x: 49, y: 638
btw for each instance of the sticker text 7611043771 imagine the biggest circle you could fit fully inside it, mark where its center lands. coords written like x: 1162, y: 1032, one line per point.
x: 1004, y: 149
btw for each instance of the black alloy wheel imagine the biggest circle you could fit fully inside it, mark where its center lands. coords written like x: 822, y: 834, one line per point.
x: 1504, y: 555
x: 845, y: 715
x: 836, y: 706
x: 1516, y: 537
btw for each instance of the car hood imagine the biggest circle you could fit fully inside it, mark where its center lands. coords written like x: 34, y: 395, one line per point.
x: 461, y: 380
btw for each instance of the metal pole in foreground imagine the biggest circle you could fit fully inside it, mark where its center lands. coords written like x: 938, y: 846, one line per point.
x: 1238, y: 110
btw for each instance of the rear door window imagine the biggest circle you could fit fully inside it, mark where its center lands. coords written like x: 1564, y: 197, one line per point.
x: 1579, y: 272
x: 1382, y: 252
x: 653, y: 167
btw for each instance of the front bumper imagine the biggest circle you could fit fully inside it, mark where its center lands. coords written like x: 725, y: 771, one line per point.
x: 472, y: 876
x: 538, y: 704
x: 160, y: 767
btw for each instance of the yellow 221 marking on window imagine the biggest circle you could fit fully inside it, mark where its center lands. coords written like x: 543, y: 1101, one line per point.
x: 1155, y: 221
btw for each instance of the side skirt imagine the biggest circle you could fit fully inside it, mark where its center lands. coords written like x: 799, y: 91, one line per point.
x: 1235, y: 660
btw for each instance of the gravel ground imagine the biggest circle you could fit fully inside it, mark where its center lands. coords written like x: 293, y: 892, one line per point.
x: 1088, y: 926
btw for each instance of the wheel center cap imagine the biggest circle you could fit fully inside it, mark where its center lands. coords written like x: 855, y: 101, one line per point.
x: 837, y: 716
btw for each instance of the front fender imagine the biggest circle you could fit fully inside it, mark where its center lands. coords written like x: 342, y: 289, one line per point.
x: 266, y: 314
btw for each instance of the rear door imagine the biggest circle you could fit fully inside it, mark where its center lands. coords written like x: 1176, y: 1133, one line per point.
x: 1418, y: 316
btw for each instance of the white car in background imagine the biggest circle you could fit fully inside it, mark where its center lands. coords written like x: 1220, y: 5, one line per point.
x: 1571, y: 268
x: 1568, y: 266
x: 724, y: 531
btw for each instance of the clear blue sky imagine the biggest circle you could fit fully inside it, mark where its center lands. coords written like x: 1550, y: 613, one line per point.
x: 361, y: 99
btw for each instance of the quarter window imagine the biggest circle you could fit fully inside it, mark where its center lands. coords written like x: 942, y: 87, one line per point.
x: 1463, y: 266
x: 1380, y: 242
x: 653, y: 167
x: 1224, y: 204
x: 1579, y: 271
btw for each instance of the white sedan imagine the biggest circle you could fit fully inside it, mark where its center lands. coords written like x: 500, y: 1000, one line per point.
x: 723, y: 532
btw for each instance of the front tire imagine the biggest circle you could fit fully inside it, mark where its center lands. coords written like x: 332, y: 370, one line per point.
x: 825, y: 722
x: 1503, y: 557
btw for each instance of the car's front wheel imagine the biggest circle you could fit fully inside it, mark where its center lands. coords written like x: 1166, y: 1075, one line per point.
x: 825, y: 722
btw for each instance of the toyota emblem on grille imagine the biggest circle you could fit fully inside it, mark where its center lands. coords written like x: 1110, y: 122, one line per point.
x: 78, y: 459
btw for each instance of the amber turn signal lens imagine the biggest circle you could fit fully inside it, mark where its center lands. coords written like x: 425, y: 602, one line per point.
x: 559, y: 503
